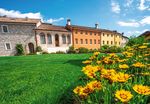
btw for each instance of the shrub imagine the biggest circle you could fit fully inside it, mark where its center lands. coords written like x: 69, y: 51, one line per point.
x: 19, y: 49
x: 60, y: 52
x: 38, y: 49
x: 71, y: 50
x: 83, y: 50
x: 45, y: 52
x: 136, y: 40
x: 111, y: 49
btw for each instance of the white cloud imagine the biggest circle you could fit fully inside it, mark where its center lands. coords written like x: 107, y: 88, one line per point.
x: 145, y: 20
x: 115, y: 7
x: 18, y: 14
x: 129, y: 24
x: 142, y: 5
x: 128, y: 3
x: 134, y: 23
x: 54, y: 20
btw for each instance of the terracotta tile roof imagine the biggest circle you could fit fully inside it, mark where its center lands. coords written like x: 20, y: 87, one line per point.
x: 82, y: 28
x: 90, y: 29
x: 19, y: 20
x: 50, y: 27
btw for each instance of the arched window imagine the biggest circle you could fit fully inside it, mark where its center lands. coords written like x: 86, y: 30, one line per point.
x: 69, y: 39
x: 49, y: 38
x: 64, y: 39
x: 42, y: 38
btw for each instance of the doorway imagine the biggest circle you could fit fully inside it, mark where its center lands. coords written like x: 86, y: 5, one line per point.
x: 31, y: 47
x: 57, y: 40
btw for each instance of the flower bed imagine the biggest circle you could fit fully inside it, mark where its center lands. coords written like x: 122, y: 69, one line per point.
x: 116, y: 78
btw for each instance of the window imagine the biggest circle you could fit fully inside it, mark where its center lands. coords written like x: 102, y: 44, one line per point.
x: 103, y: 42
x: 86, y: 33
x: 42, y: 38
x: 107, y: 42
x: 111, y: 42
x: 81, y: 41
x: 81, y: 32
x: 7, y: 46
x: 90, y: 41
x: 76, y: 32
x: 99, y: 34
x: 94, y: 33
x: 69, y: 39
x: 103, y: 34
x: 107, y: 35
x: 76, y: 41
x: 90, y: 33
x: 98, y: 41
x: 94, y: 41
x: 119, y: 43
x: 49, y: 38
x: 86, y: 41
x: 64, y: 39
x: 4, y: 28
x: 111, y: 35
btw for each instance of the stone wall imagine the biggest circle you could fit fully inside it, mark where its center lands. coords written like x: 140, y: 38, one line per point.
x: 18, y: 33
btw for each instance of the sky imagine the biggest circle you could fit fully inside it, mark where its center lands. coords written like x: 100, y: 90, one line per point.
x: 129, y: 16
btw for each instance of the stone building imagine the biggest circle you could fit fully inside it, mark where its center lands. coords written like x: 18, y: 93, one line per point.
x: 17, y: 31
x: 146, y: 35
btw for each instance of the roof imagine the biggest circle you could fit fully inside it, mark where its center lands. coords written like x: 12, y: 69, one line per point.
x: 147, y: 33
x: 19, y: 20
x: 50, y: 27
x: 90, y: 29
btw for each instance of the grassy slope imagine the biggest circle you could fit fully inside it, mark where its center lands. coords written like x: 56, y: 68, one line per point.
x: 39, y: 79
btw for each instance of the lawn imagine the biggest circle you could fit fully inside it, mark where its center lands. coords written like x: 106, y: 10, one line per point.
x: 39, y: 79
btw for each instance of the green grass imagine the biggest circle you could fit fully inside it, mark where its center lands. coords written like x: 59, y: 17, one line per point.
x: 39, y: 79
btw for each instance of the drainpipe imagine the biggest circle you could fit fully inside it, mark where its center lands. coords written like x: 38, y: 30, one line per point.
x: 36, y: 39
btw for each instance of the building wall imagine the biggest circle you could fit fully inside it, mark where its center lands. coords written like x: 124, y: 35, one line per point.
x: 124, y: 41
x: 111, y: 38
x: 17, y: 34
x: 52, y: 47
x: 118, y: 39
x: 82, y: 35
x: 108, y: 38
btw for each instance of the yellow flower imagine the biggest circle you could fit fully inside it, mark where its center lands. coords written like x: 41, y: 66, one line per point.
x: 108, y: 74
x: 146, y: 54
x: 96, y: 85
x: 78, y: 89
x: 96, y: 53
x: 124, y: 66
x: 140, y: 89
x: 121, y: 77
x: 81, y: 91
x: 90, y: 70
x: 98, y: 62
x: 127, y: 54
x: 142, y: 47
x: 138, y: 64
x: 87, y: 62
x: 123, y: 95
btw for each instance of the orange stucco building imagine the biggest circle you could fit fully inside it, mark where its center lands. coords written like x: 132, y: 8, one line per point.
x: 87, y: 37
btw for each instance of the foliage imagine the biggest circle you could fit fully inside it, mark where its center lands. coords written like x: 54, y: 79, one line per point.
x: 60, y: 52
x: 111, y: 49
x: 45, y: 52
x: 38, y: 49
x: 71, y: 50
x: 83, y: 50
x: 19, y: 49
x: 136, y: 40
x: 116, y: 78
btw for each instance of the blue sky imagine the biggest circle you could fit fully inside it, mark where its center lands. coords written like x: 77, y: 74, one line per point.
x: 129, y: 16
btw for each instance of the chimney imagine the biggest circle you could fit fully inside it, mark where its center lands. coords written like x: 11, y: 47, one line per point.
x: 96, y: 26
x: 68, y: 22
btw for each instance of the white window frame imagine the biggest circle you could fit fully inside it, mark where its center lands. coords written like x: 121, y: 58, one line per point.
x: 6, y: 46
x: 3, y: 30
